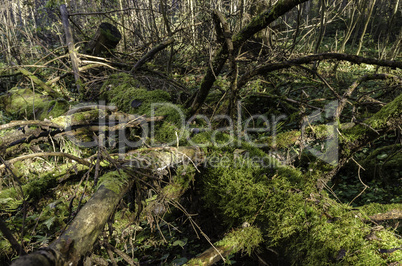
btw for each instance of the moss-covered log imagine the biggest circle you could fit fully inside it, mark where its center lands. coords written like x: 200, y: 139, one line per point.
x: 242, y: 239
x: 299, y: 223
x: 26, y: 103
x: 356, y: 137
x: 80, y: 236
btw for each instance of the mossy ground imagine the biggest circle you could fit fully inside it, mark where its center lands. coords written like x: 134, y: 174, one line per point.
x: 25, y: 103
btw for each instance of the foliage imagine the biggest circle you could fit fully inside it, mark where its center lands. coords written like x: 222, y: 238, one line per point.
x: 267, y: 177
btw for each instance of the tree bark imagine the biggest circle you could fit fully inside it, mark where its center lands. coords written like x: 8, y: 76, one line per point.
x: 78, y: 239
x: 71, y: 48
x: 152, y: 53
x: 310, y: 58
x: 106, y: 38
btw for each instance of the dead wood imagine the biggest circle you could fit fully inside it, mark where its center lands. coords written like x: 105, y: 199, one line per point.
x: 151, y: 54
x: 106, y: 38
x: 311, y: 58
x: 75, y: 62
x: 78, y: 239
x: 258, y: 23
x: 93, y: 119
x: 233, y: 242
x: 46, y: 154
x: 391, y: 215
x: 38, y: 82
x: 388, y: 118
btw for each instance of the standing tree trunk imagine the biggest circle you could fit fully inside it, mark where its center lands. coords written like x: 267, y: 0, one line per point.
x: 71, y: 48
x: 106, y: 38
x: 365, y: 27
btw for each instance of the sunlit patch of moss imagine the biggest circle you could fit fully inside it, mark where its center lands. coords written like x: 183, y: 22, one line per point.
x: 375, y: 208
x: 114, y: 181
x: 282, y: 140
x: 387, y: 114
x: 242, y: 184
x: 307, y: 226
x: 26, y: 103
x: 245, y: 239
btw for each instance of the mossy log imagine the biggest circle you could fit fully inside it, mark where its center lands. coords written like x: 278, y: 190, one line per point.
x: 299, y: 223
x: 78, y: 239
x: 242, y: 239
x: 26, y: 103
x: 38, y: 82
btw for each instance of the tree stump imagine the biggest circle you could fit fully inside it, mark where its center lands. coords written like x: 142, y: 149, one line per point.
x: 106, y: 38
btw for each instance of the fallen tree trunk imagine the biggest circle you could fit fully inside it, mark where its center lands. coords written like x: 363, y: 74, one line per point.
x: 78, y: 239
x: 242, y: 239
x: 151, y: 54
x: 298, y: 223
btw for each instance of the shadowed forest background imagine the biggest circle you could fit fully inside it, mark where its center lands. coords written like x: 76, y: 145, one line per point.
x: 200, y: 132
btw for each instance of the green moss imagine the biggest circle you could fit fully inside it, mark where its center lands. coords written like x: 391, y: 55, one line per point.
x: 301, y: 224
x: 245, y: 239
x: 122, y: 89
x: 172, y: 191
x: 114, y: 181
x: 375, y: 208
x: 283, y: 140
x: 25, y: 103
x: 391, y: 111
x: 195, y: 262
x: 54, y: 108
x: 184, y: 175
x: 10, y: 199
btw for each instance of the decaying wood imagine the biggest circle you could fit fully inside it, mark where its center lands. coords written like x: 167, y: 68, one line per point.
x: 151, y: 54
x: 38, y: 82
x: 78, y: 239
x: 311, y: 58
x: 391, y: 215
x: 46, y: 154
x: 350, y: 90
x: 93, y: 118
x: 258, y: 23
x: 230, y: 244
x: 390, y: 116
x: 106, y: 38
x: 75, y: 62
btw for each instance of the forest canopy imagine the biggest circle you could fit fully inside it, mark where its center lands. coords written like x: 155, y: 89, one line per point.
x: 200, y: 132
